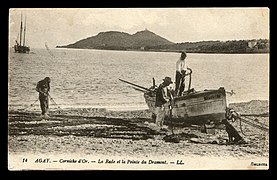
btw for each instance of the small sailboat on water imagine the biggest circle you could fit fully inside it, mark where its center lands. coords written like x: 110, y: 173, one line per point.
x: 20, y: 47
x: 47, y: 48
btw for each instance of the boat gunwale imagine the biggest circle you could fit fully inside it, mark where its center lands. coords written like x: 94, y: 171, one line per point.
x: 200, y: 94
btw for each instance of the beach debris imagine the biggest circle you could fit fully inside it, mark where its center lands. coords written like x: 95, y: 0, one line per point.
x: 208, y: 127
x: 218, y: 141
x: 171, y: 138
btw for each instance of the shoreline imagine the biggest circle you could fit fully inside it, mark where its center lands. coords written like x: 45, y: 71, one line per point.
x: 169, y: 51
x: 18, y: 107
x: 177, y: 51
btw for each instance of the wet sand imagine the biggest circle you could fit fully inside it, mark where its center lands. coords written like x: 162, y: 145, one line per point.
x: 129, y: 133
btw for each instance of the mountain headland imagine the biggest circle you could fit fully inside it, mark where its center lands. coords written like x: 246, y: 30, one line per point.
x: 148, y: 41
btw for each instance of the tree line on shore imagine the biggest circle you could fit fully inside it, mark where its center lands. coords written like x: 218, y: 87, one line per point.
x: 234, y: 46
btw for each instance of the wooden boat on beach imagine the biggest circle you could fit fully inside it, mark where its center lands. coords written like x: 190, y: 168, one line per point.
x: 193, y: 107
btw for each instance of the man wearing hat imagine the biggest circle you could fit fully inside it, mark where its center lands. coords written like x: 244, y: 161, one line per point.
x: 163, y: 96
x: 180, y: 74
x: 43, y: 87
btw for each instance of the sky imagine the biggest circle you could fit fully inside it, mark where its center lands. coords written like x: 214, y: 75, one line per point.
x: 65, y: 26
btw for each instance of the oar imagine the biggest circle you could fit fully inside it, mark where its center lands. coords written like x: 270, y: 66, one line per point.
x: 135, y: 85
x: 141, y: 90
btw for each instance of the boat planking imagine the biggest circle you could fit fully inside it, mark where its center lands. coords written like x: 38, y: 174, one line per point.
x: 192, y: 107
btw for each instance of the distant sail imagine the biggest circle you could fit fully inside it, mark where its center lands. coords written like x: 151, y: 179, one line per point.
x: 49, y: 50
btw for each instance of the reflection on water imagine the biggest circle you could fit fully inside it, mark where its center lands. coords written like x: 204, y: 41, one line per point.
x: 89, y: 78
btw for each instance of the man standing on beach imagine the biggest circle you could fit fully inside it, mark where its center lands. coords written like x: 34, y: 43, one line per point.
x: 163, y: 96
x: 180, y: 74
x: 43, y: 87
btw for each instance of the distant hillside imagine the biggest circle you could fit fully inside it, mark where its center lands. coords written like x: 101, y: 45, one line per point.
x: 148, y: 38
x: 149, y: 41
x: 120, y: 40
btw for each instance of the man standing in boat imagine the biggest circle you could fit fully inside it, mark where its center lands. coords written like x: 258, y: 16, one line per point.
x: 163, y: 96
x: 180, y: 74
x: 43, y: 87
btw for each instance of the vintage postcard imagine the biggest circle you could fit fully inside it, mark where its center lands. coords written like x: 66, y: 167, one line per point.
x: 138, y: 89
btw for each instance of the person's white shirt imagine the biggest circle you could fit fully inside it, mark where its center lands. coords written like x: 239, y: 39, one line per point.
x: 181, y: 65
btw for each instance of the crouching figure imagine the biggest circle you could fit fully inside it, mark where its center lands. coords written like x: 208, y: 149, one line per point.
x: 233, y: 135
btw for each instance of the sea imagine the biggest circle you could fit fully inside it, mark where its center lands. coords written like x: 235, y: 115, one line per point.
x: 86, y: 78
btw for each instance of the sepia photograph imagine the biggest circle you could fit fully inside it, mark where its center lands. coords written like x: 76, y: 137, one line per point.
x: 138, y: 88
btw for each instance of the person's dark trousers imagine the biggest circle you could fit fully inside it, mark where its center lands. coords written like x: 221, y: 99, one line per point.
x: 43, y: 103
x: 179, y: 80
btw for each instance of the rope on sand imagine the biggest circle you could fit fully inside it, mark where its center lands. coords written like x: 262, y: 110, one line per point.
x: 233, y: 115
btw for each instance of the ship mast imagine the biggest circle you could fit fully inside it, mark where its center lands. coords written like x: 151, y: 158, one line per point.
x: 20, y: 31
x: 24, y: 32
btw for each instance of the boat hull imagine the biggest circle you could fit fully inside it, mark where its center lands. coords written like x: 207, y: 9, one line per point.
x: 195, y: 107
x: 21, y: 49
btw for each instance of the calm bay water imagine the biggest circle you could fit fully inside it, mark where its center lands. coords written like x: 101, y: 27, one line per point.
x: 89, y: 78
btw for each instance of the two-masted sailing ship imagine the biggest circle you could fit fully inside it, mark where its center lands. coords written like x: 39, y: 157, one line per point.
x: 21, y: 47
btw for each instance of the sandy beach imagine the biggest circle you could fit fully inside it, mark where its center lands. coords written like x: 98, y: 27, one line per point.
x: 98, y: 132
